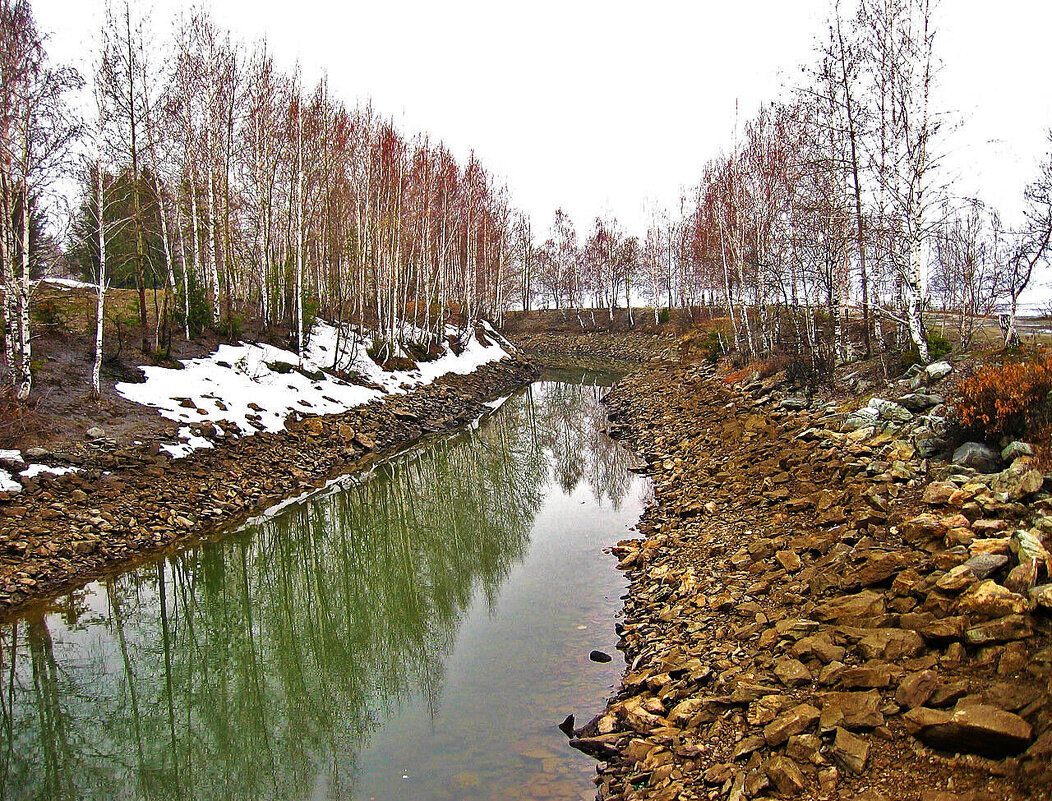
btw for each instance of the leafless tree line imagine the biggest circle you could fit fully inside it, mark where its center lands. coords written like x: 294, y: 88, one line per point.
x: 210, y: 174
x: 827, y: 224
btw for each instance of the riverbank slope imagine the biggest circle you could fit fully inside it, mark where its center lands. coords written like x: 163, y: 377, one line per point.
x: 136, y: 500
x: 807, y: 619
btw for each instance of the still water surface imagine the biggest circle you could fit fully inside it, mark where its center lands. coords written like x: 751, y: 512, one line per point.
x: 414, y: 635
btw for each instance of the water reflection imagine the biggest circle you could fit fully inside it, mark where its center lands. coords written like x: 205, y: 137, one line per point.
x: 296, y: 659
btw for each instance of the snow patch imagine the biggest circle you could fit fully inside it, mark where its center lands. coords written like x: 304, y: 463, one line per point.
x: 11, y: 456
x: 7, y: 482
x: 496, y: 404
x: 38, y: 469
x: 68, y: 283
x: 253, y: 387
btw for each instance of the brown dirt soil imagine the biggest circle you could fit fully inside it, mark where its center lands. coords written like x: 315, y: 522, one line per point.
x: 61, y: 408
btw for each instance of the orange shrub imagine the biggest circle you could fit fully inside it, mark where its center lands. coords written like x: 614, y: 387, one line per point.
x: 1005, y: 399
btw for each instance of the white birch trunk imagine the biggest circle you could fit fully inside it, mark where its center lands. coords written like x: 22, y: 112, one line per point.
x: 96, y: 370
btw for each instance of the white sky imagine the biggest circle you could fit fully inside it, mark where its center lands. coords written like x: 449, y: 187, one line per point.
x: 603, y: 106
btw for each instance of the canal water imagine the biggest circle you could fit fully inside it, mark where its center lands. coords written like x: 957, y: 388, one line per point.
x: 415, y: 633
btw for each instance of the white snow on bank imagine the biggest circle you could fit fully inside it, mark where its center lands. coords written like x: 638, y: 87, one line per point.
x: 37, y: 469
x: 496, y: 404
x: 252, y: 387
x: 12, y: 456
x: 68, y: 283
x: 7, y: 483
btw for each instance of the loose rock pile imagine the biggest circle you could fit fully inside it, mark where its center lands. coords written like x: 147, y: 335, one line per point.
x: 124, y: 502
x: 810, y: 617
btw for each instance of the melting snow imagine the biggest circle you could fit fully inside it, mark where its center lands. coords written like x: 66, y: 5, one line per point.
x: 68, y: 283
x: 252, y: 387
x: 37, y: 469
x: 7, y: 483
x: 11, y: 456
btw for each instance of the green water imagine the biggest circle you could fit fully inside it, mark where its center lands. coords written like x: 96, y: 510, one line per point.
x: 415, y: 634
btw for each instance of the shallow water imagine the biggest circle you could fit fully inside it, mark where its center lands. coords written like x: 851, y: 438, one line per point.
x: 416, y: 634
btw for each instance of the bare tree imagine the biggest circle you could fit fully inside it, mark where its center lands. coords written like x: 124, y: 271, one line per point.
x: 1033, y: 243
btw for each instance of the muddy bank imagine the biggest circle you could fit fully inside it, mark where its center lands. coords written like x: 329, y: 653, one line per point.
x: 594, y: 350
x: 820, y: 613
x: 132, y: 501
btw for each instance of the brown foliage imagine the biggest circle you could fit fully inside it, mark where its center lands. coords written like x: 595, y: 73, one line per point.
x: 1007, y: 399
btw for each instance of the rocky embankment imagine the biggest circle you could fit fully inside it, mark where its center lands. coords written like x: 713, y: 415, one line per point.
x: 593, y: 349
x: 816, y: 611
x: 132, y: 501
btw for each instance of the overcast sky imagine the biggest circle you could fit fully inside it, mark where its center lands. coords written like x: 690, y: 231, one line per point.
x: 610, y: 106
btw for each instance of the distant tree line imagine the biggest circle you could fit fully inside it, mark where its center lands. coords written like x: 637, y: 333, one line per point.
x: 825, y: 226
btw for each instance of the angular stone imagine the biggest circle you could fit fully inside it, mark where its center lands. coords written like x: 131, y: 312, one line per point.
x: 1018, y: 481
x: 683, y: 712
x: 850, y: 751
x: 852, y: 710
x: 791, y: 672
x: 890, y: 411
x: 1028, y: 545
x: 865, y: 604
x: 946, y: 694
x: 990, y: 600
x: 818, y: 646
x: 936, y: 371
x: 977, y: 456
x: 796, y: 721
x: 919, y: 401
x: 785, y: 775
x: 1003, y: 629
x: 866, y: 677
x: 938, y: 493
x: 916, y: 689
x: 1022, y: 578
x: 890, y: 644
x: 805, y: 748
x: 957, y: 579
x: 747, y: 746
x: 922, y: 528
x: 945, y: 628
x: 879, y: 568
x: 789, y: 560
x: 974, y: 729
x: 984, y: 565
x: 1042, y: 596
x: 1016, y: 449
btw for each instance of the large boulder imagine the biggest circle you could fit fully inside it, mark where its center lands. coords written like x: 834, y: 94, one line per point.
x: 866, y: 416
x: 973, y: 729
x: 890, y: 411
x: 919, y: 401
x: 977, y: 456
x: 1019, y: 480
x: 1016, y: 449
x: 937, y: 371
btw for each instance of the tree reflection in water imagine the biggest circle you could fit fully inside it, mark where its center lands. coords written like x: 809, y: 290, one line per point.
x: 256, y: 666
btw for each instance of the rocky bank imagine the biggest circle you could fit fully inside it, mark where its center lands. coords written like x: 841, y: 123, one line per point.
x: 130, y: 501
x: 817, y: 610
